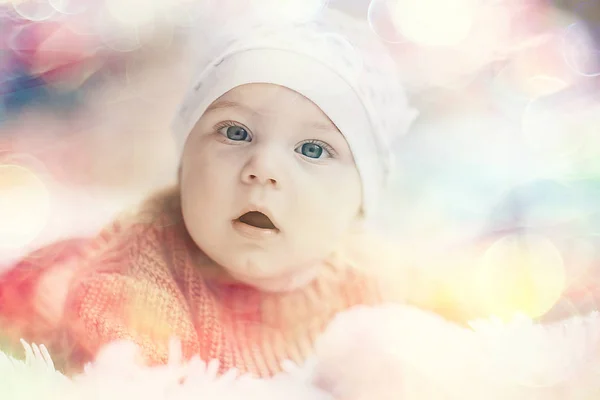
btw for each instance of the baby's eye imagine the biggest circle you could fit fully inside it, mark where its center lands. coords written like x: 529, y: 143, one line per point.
x: 235, y: 133
x: 315, y: 150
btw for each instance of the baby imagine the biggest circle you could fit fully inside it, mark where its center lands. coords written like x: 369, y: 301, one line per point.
x: 285, y: 138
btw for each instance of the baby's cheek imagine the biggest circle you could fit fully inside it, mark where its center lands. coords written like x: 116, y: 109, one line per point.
x: 320, y: 236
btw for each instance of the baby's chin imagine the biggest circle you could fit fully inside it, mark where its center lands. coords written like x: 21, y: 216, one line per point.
x: 281, y: 283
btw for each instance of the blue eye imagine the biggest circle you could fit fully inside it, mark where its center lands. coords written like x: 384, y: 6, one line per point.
x: 314, y: 150
x: 235, y: 133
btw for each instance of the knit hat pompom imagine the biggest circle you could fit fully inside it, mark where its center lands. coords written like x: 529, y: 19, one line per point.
x: 334, y: 60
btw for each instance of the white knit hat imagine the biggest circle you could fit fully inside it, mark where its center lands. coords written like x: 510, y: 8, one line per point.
x: 335, y: 61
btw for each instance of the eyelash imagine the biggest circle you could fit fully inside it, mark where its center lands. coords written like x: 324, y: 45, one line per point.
x: 227, y: 124
x: 324, y: 145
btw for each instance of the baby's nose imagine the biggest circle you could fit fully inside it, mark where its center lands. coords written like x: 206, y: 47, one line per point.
x: 263, y: 168
x: 252, y: 178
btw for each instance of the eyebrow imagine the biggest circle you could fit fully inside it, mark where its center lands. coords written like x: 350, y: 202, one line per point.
x: 219, y: 105
x: 324, y: 127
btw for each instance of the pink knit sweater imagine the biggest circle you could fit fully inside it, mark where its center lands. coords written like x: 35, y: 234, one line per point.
x: 147, y: 282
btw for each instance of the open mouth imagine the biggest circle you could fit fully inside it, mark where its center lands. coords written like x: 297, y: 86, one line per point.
x: 257, y: 220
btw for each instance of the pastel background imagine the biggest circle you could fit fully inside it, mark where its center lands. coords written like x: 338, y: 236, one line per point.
x: 496, y: 188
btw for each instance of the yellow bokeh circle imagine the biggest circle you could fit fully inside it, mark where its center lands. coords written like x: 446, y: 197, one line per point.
x: 520, y: 274
x: 24, y: 206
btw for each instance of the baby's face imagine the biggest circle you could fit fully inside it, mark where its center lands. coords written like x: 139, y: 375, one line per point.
x: 269, y: 186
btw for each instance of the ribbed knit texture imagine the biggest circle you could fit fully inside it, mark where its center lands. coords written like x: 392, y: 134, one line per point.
x: 150, y: 283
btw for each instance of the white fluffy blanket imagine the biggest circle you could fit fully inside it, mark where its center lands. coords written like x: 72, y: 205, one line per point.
x: 388, y: 352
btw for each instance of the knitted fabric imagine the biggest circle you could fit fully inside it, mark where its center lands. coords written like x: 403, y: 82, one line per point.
x: 150, y: 283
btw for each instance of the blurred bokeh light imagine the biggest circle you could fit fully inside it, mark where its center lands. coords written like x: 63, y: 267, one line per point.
x: 520, y: 272
x: 24, y: 206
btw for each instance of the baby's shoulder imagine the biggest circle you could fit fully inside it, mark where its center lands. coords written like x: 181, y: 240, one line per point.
x: 138, y: 241
x: 162, y: 207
